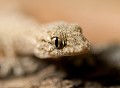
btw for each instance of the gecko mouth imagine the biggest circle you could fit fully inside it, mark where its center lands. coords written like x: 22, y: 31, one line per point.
x: 64, y: 51
x: 67, y: 51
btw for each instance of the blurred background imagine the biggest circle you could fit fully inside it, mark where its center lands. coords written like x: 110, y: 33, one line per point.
x: 99, y: 19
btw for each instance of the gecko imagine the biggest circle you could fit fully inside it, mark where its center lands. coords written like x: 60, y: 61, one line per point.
x: 21, y: 36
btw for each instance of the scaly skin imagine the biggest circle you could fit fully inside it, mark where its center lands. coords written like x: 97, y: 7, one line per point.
x: 22, y: 36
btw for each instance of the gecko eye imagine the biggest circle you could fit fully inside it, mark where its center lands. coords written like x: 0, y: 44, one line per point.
x: 59, y: 44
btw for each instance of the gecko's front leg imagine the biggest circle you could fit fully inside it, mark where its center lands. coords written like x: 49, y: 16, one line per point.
x: 18, y: 66
x: 10, y: 61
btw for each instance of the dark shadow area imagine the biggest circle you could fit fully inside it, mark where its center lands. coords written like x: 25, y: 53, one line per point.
x: 102, y: 66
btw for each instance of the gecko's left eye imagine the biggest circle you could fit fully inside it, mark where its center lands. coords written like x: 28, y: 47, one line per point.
x: 59, y: 43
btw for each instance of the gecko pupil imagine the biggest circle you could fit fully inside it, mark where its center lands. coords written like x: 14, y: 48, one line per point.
x: 56, y: 42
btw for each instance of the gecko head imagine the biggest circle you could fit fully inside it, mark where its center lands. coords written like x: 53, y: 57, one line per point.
x: 61, y: 39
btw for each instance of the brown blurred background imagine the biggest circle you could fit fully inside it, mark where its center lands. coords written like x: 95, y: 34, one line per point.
x: 99, y: 19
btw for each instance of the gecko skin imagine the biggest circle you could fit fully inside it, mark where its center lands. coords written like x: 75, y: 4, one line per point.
x: 22, y: 36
